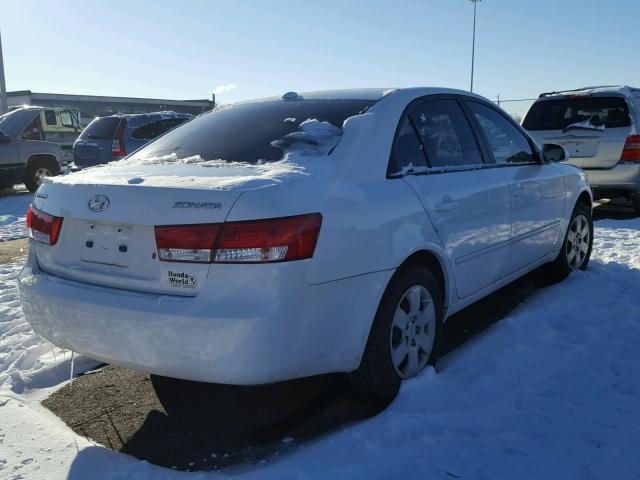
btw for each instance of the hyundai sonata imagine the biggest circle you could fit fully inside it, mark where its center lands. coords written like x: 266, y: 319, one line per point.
x: 309, y: 233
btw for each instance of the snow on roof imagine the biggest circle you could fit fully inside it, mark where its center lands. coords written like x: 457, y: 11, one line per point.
x: 599, y: 90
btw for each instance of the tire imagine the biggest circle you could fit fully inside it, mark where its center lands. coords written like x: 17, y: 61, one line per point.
x: 36, y: 169
x: 574, y: 255
x: 380, y: 372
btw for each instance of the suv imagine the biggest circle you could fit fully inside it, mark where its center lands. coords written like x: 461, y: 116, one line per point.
x: 24, y: 156
x: 600, y: 129
x: 107, y: 139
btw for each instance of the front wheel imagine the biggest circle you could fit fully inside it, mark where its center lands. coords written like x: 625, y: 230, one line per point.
x: 405, y: 334
x: 576, y: 248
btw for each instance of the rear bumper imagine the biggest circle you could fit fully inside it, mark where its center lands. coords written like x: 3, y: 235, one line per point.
x: 623, y: 178
x: 247, y: 328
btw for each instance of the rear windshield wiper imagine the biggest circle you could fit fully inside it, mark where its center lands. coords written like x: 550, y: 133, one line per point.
x: 93, y: 136
x: 584, y: 125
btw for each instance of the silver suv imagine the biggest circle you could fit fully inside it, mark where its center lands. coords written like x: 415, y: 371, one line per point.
x: 600, y: 129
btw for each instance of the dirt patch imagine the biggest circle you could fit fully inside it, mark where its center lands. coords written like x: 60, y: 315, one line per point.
x: 13, y: 250
x: 196, y: 426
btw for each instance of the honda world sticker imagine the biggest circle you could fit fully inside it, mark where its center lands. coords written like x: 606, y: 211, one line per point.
x: 182, y: 279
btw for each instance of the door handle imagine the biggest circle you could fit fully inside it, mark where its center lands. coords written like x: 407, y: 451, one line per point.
x: 446, y: 206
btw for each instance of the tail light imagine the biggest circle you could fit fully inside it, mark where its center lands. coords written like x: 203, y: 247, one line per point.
x: 43, y: 228
x: 186, y: 243
x: 257, y: 241
x: 117, y: 145
x: 631, y: 152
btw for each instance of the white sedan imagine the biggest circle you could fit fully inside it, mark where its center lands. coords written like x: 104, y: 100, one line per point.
x: 299, y: 235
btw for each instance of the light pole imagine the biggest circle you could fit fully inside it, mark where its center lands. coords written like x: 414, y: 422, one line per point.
x: 473, y: 47
x: 3, y: 87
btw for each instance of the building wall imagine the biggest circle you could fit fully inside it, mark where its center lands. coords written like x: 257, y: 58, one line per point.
x: 91, y: 107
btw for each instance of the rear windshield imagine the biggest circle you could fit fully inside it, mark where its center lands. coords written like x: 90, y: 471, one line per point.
x: 610, y: 112
x: 101, y: 129
x: 246, y: 132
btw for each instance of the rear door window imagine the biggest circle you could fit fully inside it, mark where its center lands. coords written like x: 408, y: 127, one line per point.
x: 607, y: 112
x: 407, y: 149
x: 446, y: 134
x: 508, y: 144
x: 156, y: 128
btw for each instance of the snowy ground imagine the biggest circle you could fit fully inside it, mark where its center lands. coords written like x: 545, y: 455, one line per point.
x: 13, y: 213
x: 551, y: 391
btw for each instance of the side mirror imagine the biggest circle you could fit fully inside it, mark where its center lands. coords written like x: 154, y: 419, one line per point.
x: 4, y: 138
x: 553, y: 152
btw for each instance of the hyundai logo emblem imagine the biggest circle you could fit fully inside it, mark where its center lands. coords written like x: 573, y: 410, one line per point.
x: 98, y: 203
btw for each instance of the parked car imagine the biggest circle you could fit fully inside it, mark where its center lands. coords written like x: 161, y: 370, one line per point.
x: 107, y: 139
x: 323, y: 232
x: 599, y: 127
x: 24, y: 156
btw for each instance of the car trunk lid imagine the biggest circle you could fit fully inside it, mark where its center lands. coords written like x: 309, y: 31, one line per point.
x: 589, y: 149
x: 109, y: 214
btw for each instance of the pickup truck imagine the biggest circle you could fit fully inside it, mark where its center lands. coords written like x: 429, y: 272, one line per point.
x: 24, y: 156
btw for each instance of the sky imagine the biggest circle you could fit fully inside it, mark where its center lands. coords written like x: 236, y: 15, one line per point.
x: 244, y: 49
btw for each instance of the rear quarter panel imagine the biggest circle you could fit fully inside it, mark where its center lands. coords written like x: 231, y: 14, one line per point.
x: 370, y: 223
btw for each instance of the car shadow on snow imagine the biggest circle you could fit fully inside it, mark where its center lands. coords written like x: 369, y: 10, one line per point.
x: 195, y: 426
x: 198, y: 426
x: 616, y: 209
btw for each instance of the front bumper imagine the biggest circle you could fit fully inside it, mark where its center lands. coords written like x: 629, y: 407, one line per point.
x: 621, y: 178
x: 279, y: 328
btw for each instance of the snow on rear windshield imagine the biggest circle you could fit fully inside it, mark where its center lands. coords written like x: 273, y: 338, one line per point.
x: 254, y: 132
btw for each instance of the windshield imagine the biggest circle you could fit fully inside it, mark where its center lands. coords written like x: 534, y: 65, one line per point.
x: 101, y: 129
x: 8, y: 120
x: 248, y: 132
x: 603, y: 112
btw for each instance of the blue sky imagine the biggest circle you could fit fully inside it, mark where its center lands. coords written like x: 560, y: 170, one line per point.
x: 187, y: 49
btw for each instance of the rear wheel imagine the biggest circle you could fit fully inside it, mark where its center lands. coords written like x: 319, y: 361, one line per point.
x: 577, y: 245
x: 37, y: 170
x: 404, y: 337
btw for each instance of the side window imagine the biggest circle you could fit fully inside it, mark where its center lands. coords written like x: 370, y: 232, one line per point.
x: 66, y: 119
x: 50, y: 117
x: 155, y: 129
x: 33, y: 130
x: 446, y: 134
x: 507, y: 142
x: 407, y: 149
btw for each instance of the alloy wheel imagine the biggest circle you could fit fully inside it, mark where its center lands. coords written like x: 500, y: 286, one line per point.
x: 413, y: 331
x: 578, y: 239
x: 41, y: 173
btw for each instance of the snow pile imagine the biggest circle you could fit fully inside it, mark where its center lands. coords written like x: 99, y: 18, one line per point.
x: 302, y: 150
x: 210, y: 174
x: 551, y: 391
x: 13, y: 216
x: 26, y: 361
x: 313, y: 138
